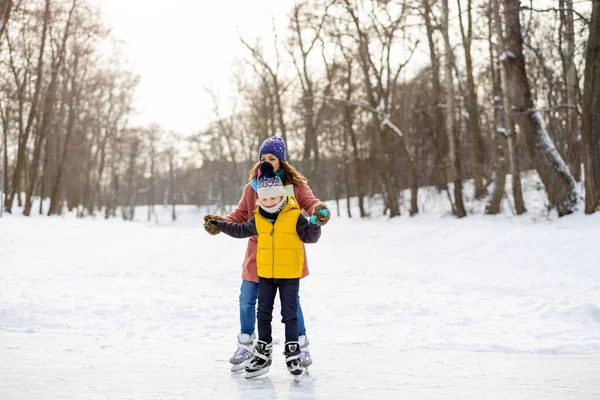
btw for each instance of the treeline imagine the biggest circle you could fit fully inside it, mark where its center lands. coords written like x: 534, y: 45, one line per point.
x: 372, y: 97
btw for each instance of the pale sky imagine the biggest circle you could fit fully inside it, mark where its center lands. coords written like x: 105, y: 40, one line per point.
x: 180, y: 46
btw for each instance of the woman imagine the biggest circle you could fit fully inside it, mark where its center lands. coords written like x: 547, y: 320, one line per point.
x: 272, y: 150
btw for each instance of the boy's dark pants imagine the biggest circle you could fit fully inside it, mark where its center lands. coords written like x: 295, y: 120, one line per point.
x: 288, y: 295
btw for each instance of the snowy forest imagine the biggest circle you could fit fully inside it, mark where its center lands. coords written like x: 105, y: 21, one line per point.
x: 372, y: 98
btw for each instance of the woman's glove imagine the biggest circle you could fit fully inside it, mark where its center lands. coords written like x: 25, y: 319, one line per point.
x: 321, y: 214
x: 211, y: 225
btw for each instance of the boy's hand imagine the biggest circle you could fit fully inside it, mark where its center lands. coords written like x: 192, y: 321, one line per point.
x: 321, y: 214
x: 211, y: 225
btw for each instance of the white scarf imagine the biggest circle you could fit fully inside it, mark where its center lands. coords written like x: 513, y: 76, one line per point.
x: 276, y: 208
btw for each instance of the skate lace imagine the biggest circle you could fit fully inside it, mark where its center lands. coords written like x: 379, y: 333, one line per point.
x: 243, y: 352
x: 304, y: 354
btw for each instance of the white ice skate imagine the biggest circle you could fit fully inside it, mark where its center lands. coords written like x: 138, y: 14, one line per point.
x: 305, y: 359
x: 244, y: 351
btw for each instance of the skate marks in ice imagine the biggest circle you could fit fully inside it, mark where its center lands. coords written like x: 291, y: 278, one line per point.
x: 305, y: 376
x: 261, y: 387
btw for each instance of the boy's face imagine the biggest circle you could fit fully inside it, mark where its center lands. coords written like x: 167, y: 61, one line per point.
x: 271, y: 201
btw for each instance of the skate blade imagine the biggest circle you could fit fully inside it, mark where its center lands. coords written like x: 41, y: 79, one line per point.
x: 250, y: 375
x: 238, y: 367
x: 304, y: 376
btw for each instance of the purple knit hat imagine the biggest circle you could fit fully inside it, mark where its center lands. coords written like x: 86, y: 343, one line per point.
x: 274, y: 145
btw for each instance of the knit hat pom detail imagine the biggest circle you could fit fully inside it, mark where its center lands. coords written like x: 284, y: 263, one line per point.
x: 266, y: 168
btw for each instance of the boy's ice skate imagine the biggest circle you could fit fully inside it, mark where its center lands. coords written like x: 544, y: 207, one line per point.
x: 292, y: 358
x: 305, y: 359
x: 243, y: 352
x: 260, y: 363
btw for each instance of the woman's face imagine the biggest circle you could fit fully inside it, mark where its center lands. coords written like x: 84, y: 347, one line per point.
x: 272, y: 159
x: 271, y: 201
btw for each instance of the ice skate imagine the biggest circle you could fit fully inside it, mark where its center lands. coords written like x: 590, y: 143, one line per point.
x: 243, y: 352
x: 260, y: 363
x: 292, y: 359
x: 305, y: 359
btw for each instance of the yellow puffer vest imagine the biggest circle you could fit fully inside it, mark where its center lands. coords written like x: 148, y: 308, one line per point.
x: 280, y: 253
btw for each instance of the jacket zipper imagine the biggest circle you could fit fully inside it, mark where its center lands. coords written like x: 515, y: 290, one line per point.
x: 273, y: 249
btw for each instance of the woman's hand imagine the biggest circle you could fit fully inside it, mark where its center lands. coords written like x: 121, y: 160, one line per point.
x: 321, y: 214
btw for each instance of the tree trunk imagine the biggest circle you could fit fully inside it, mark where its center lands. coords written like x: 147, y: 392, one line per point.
x: 572, y: 85
x: 55, y: 197
x: 5, y: 8
x: 591, y: 114
x: 349, y: 120
x: 439, y: 137
x: 551, y: 167
x: 508, y: 122
x: 151, y: 190
x: 384, y: 169
x: 346, y: 161
x: 5, y: 115
x: 454, y: 157
x: 22, y: 148
x: 47, y: 114
x: 500, y: 164
x: 112, y: 197
x: 101, y: 167
x: 472, y: 106
x: 172, y: 189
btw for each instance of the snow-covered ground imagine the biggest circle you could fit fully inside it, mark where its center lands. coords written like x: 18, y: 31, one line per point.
x: 429, y: 307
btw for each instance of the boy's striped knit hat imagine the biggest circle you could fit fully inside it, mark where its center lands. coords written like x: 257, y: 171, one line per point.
x: 269, y: 184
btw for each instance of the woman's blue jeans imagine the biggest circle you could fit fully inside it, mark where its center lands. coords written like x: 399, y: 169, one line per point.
x: 248, y: 298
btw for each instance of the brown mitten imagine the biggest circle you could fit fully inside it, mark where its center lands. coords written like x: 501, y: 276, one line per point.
x: 322, y: 213
x: 211, y: 227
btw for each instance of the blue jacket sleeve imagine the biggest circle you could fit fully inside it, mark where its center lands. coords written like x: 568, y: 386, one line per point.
x: 238, y: 231
x: 308, y: 232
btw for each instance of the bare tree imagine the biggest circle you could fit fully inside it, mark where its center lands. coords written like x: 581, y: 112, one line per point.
x: 278, y: 88
x: 302, y: 21
x: 551, y: 167
x: 438, y: 134
x: 131, y: 189
x: 500, y: 137
x: 24, y: 136
x: 73, y: 103
x: 351, y: 132
x: 47, y: 111
x: 572, y: 87
x: 379, y: 81
x: 508, y: 128
x: 454, y: 162
x: 473, y: 122
x: 591, y: 114
x: 5, y: 9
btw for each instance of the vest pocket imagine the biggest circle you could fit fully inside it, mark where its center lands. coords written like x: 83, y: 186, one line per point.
x: 285, y: 257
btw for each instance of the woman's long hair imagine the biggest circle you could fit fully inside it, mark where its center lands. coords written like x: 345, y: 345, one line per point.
x: 291, y: 175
